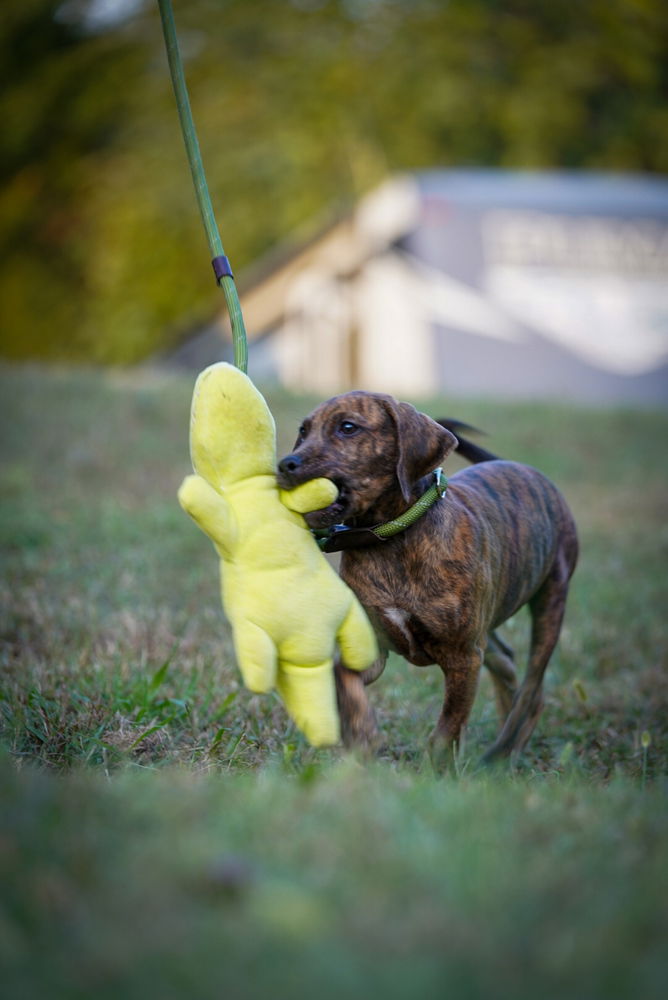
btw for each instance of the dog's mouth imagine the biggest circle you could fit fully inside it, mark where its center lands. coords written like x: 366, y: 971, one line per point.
x: 332, y: 514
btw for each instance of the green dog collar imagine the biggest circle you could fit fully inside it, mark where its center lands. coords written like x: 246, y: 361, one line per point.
x: 339, y: 537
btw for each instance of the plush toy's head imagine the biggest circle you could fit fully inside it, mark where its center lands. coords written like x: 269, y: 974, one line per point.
x: 236, y: 434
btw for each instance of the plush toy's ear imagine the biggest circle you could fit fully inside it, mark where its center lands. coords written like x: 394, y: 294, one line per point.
x: 232, y: 431
x: 422, y: 444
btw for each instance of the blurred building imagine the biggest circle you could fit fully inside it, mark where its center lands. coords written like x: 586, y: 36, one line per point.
x: 476, y: 282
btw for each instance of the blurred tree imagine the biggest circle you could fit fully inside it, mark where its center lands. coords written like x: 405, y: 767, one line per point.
x: 300, y: 105
x: 61, y: 109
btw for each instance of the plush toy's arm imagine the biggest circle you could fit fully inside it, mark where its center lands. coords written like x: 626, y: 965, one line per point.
x: 356, y: 638
x: 314, y: 495
x: 209, y: 511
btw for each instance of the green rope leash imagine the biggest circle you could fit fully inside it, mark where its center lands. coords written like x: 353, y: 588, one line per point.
x: 221, y: 264
x: 225, y: 279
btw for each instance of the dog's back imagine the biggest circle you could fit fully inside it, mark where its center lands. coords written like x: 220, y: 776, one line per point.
x: 518, y: 521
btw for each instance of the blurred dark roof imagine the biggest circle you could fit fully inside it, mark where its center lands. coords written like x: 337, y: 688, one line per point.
x: 590, y: 192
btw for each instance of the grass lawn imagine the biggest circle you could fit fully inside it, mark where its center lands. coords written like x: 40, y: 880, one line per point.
x: 165, y: 833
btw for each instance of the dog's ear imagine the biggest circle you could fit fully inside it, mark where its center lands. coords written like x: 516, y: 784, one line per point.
x: 422, y: 444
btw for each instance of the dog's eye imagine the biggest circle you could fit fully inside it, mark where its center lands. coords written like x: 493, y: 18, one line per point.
x: 348, y: 428
x: 301, y: 433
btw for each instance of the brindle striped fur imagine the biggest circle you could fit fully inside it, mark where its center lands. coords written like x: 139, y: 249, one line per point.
x: 502, y: 537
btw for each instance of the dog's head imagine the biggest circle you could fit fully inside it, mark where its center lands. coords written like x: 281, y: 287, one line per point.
x: 372, y: 447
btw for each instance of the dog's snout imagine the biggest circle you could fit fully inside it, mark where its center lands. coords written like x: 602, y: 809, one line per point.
x: 289, y: 466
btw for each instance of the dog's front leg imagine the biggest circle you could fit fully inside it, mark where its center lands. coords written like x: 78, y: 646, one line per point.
x: 461, y: 669
x: 358, y: 722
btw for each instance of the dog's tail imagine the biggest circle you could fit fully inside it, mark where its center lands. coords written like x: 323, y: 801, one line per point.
x: 467, y: 449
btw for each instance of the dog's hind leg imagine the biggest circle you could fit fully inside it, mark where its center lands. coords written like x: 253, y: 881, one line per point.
x: 358, y: 723
x: 547, y: 612
x: 499, y: 660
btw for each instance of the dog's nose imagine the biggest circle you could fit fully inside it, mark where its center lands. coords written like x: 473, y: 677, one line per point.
x: 289, y: 465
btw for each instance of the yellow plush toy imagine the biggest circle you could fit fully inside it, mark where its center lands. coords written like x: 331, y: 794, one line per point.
x: 287, y: 607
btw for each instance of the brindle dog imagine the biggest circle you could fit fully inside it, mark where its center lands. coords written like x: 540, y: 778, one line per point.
x: 501, y: 537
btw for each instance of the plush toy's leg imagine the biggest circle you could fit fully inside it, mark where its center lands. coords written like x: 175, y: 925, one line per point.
x: 256, y: 656
x: 208, y: 510
x: 309, y: 695
x: 356, y: 639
